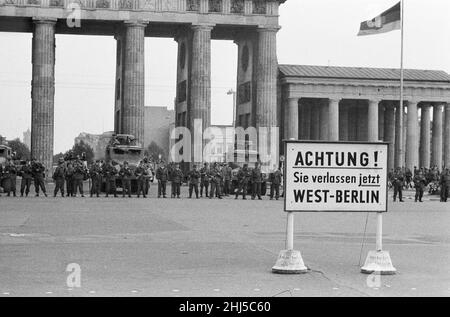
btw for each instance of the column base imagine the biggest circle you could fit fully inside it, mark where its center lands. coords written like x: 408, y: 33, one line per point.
x: 378, y: 262
x: 289, y: 262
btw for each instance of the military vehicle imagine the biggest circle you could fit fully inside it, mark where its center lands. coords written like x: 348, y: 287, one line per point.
x: 5, y: 152
x: 121, y: 148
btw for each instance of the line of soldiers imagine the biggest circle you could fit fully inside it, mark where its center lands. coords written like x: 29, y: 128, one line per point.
x: 30, y: 171
x: 215, y: 181
x: 401, y: 178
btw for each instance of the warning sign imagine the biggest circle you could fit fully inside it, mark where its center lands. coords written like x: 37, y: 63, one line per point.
x: 323, y: 176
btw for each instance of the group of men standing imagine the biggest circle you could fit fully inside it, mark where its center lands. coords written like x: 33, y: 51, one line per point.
x: 215, y: 181
x: 403, y: 178
x: 31, y: 171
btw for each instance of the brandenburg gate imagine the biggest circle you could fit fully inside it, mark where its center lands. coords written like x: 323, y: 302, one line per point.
x: 252, y: 24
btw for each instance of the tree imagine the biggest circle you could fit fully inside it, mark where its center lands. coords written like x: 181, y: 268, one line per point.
x: 154, y: 151
x: 56, y: 157
x: 22, y: 152
x: 82, y: 147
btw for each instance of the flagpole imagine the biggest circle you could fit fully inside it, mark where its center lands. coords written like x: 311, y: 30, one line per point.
x: 402, y: 75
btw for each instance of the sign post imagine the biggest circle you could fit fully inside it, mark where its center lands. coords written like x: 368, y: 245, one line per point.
x: 335, y: 177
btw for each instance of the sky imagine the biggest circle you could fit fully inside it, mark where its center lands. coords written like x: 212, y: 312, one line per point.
x: 314, y: 32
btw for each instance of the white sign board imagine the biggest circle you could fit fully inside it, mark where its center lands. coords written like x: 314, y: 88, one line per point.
x: 339, y: 176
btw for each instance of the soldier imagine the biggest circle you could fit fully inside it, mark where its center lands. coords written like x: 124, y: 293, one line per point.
x: 204, y: 179
x: 256, y: 182
x: 419, y: 183
x: 110, y: 174
x: 27, y: 177
x: 58, y: 177
x: 38, y: 171
x: 194, y: 177
x: 141, y: 175
x: 398, y: 184
x: 125, y: 174
x: 275, y: 179
x: 148, y: 174
x: 162, y: 175
x: 177, y: 179
x: 445, y: 184
x: 243, y: 177
x: 9, y: 177
x: 69, y: 179
x: 215, y: 176
x: 79, y: 174
x: 226, y: 173
x: 95, y: 173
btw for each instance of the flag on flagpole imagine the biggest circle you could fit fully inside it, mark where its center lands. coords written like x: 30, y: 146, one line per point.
x: 387, y: 21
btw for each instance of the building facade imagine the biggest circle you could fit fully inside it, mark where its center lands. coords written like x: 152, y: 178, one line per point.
x: 362, y: 104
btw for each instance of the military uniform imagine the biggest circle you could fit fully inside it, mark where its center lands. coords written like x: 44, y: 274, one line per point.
x: 141, y: 175
x: 162, y: 175
x: 419, y: 184
x: 256, y: 182
x: 58, y: 177
x: 110, y: 175
x: 9, y: 178
x: 27, y: 177
x: 398, y: 185
x: 445, y: 185
x: 226, y: 175
x: 243, y: 177
x: 194, y: 177
x: 38, y: 171
x: 96, y: 177
x: 69, y: 180
x: 204, y: 180
x: 125, y: 174
x: 275, y: 184
x: 215, y: 176
x: 177, y: 179
x: 79, y: 174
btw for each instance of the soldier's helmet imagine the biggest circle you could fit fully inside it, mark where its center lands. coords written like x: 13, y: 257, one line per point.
x: 61, y: 160
x: 194, y: 166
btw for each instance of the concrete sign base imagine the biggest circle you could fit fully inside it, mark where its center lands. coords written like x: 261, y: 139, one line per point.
x: 379, y: 262
x: 289, y: 262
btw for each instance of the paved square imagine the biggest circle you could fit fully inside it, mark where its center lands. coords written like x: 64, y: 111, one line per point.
x: 182, y: 247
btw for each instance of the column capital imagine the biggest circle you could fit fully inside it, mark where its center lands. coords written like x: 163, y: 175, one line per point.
x: 334, y: 100
x: 45, y: 20
x: 135, y: 23
x: 412, y: 101
x: 374, y: 100
x: 203, y: 26
x: 261, y: 29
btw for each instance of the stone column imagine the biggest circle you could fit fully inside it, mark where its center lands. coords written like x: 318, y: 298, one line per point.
x: 447, y: 135
x: 200, y: 82
x: 43, y: 92
x: 315, y: 122
x: 436, y: 150
x: 306, y: 121
x: 372, y: 121
x: 389, y: 133
x: 399, y: 149
x: 381, y: 110
x: 323, y: 114
x: 425, y: 142
x: 134, y: 80
x: 344, y: 123
x: 412, y: 137
x: 333, y: 120
x: 266, y: 78
x: 293, y: 118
